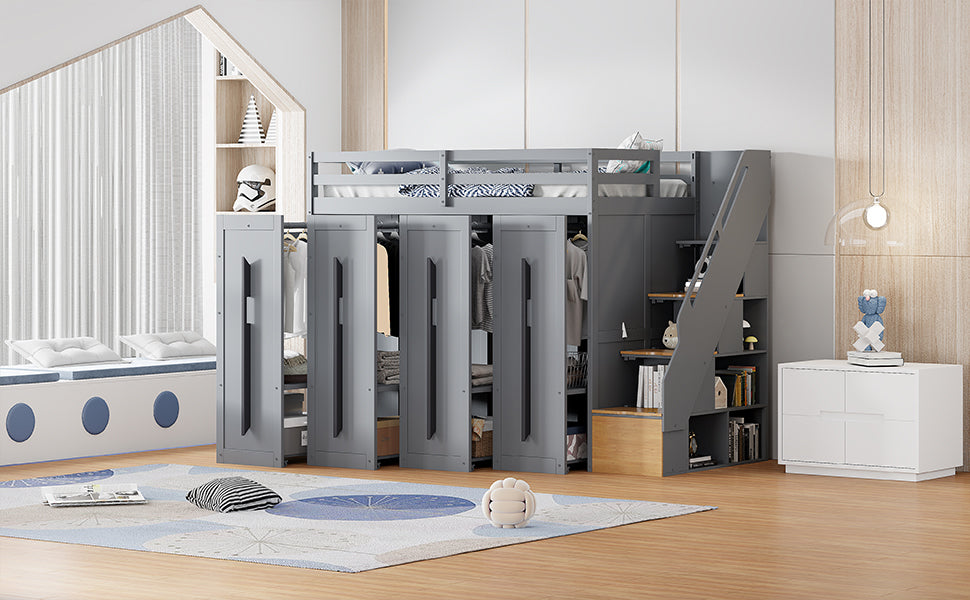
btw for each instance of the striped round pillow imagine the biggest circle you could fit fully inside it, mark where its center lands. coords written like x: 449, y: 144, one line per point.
x: 228, y: 494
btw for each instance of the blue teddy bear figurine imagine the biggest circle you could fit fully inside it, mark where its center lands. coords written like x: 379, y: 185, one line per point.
x: 871, y: 304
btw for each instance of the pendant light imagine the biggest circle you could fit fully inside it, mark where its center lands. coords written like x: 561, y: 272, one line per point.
x: 876, y: 216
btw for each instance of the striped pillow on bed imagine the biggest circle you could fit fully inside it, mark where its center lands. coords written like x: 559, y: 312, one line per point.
x: 229, y: 494
x: 468, y: 190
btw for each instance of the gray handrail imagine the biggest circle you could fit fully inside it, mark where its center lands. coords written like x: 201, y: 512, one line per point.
x: 703, y: 313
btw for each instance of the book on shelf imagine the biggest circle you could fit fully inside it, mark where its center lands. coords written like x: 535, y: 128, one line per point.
x: 650, y: 386
x: 743, y: 440
x: 740, y: 381
x: 701, y: 461
x: 92, y: 494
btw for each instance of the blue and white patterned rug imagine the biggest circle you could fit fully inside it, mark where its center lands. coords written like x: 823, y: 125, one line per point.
x: 331, y: 523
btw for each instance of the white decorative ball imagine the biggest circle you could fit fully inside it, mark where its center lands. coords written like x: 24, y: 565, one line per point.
x: 509, y: 503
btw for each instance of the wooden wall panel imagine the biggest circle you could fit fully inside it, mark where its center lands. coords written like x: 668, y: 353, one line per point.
x: 927, y: 124
x: 363, y: 121
x: 921, y: 260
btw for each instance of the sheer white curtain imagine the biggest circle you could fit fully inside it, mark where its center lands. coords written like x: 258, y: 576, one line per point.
x: 99, y: 194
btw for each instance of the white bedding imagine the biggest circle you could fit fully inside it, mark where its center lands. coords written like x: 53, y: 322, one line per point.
x: 669, y: 188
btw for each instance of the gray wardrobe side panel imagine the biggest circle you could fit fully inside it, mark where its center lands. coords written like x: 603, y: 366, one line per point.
x: 253, y: 242
x: 541, y: 242
x: 341, y: 399
x: 619, y: 271
x: 435, y: 376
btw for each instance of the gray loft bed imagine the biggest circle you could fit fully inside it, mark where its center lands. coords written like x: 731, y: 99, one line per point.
x: 632, y: 250
x: 554, y: 172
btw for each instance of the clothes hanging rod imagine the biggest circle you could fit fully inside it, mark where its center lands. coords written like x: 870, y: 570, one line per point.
x: 294, y: 225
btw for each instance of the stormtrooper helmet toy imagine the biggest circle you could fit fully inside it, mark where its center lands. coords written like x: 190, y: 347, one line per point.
x: 256, y: 189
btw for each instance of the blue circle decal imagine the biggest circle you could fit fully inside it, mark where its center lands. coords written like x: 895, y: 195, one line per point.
x: 166, y: 409
x: 373, y: 507
x: 20, y: 422
x: 94, y: 415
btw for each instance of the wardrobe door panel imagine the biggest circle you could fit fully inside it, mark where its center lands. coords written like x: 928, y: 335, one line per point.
x: 435, y: 342
x: 341, y: 414
x: 249, y: 426
x: 529, y: 399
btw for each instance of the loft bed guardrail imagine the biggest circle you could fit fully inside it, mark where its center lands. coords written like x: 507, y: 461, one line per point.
x: 562, y: 180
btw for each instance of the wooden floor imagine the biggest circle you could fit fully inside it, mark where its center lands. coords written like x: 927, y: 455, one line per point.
x: 773, y: 535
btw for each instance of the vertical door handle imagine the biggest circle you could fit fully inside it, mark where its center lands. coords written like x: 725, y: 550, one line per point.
x: 432, y: 347
x: 248, y: 320
x: 338, y: 347
x: 526, y: 349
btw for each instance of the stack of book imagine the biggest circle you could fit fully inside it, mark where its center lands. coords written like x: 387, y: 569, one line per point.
x: 697, y: 462
x: 740, y: 382
x: 743, y: 440
x: 876, y: 359
x: 650, y: 387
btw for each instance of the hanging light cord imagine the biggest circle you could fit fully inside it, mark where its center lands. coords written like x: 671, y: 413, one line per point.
x: 882, y: 188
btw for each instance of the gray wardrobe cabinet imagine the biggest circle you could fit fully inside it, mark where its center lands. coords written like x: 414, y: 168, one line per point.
x: 249, y: 425
x: 435, y: 302
x: 341, y: 284
x: 529, y: 394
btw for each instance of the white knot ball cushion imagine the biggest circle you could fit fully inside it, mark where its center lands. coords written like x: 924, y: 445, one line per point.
x: 509, y: 503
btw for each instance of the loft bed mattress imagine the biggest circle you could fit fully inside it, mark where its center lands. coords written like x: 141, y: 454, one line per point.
x: 17, y: 376
x: 669, y: 188
x: 136, y: 366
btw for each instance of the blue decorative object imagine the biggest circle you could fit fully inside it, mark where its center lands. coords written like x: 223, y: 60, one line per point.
x: 166, y: 409
x: 94, y: 415
x: 373, y: 507
x: 871, y: 305
x: 20, y: 422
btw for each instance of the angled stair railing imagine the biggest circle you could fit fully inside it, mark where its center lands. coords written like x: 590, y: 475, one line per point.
x: 702, y: 315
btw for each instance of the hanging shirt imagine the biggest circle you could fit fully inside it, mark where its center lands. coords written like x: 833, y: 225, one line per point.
x: 576, y: 293
x: 294, y: 287
x: 383, y: 292
x: 482, y: 278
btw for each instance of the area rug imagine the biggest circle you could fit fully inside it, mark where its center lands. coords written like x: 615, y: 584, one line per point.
x: 331, y: 523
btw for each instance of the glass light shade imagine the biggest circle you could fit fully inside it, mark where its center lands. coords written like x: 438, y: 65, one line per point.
x: 875, y: 215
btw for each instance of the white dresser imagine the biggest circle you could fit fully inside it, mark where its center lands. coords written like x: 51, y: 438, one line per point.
x: 903, y: 423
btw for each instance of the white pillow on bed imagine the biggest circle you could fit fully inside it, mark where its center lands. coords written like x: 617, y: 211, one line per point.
x: 634, y: 142
x: 166, y: 346
x: 63, y: 351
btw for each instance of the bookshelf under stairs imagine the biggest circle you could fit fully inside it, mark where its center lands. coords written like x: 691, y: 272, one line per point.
x: 686, y: 415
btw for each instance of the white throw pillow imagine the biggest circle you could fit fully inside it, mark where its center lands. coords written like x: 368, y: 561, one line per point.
x: 166, y: 346
x: 59, y: 352
x: 634, y: 142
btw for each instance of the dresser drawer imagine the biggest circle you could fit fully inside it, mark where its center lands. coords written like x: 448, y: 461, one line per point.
x: 810, y: 392
x: 894, y: 396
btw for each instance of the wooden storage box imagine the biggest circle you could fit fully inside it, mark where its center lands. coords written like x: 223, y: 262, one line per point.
x: 627, y: 440
x: 388, y: 436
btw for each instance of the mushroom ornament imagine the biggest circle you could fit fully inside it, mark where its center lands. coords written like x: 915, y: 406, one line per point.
x: 751, y: 340
x: 509, y: 503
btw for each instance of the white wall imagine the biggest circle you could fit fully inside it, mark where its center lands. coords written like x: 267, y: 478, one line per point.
x: 467, y: 97
x: 761, y: 74
x: 590, y: 81
x: 753, y: 74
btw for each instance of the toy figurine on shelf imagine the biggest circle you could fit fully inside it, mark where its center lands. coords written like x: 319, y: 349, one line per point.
x: 872, y: 305
x: 869, y: 345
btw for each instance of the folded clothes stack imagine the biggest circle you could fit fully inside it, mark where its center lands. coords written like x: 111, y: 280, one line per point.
x: 388, y: 366
x: 481, y: 375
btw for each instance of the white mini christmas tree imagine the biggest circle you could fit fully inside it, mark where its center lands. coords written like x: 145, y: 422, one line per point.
x: 252, y: 129
x: 271, y: 130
